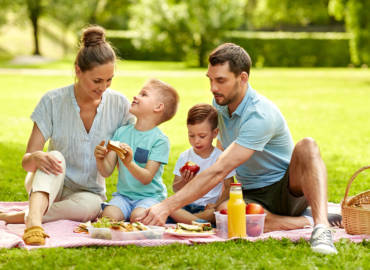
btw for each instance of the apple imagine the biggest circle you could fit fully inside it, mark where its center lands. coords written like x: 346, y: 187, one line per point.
x: 223, y: 211
x: 254, y: 208
x: 190, y: 166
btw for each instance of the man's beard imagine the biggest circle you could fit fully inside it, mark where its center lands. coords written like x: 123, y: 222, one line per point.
x: 230, y: 99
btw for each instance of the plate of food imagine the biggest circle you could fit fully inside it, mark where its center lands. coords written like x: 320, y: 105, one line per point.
x: 119, y: 230
x: 191, y: 230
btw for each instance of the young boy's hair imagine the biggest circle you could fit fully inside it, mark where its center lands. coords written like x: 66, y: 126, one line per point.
x: 168, y: 96
x: 202, y: 112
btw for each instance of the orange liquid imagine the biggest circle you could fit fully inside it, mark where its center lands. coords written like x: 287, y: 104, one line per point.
x: 236, y: 221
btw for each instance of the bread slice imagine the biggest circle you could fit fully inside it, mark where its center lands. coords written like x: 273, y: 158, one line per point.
x: 114, y: 146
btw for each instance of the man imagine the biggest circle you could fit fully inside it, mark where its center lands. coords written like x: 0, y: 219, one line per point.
x: 257, y: 142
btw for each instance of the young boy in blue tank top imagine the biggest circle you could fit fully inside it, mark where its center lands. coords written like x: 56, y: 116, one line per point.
x: 140, y: 182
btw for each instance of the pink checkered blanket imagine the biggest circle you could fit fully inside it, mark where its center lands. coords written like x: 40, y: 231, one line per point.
x: 62, y: 235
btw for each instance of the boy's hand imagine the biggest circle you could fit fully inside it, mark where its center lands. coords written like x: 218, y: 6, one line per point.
x: 187, y: 176
x: 100, y: 151
x: 128, y: 156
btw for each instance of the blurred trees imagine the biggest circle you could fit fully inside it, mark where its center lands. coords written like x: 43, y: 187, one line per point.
x: 190, y: 28
x: 356, y: 16
x: 279, y: 13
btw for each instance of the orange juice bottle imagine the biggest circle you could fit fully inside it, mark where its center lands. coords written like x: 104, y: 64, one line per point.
x: 236, y: 221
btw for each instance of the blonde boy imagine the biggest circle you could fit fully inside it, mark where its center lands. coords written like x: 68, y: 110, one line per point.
x: 140, y: 182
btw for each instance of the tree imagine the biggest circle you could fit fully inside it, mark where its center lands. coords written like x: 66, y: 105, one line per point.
x: 277, y: 13
x: 185, y: 27
x: 356, y: 16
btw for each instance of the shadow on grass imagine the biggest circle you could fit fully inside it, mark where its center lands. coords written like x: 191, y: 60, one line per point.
x: 11, y: 172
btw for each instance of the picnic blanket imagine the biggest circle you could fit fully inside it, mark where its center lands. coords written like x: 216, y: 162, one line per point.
x: 62, y: 235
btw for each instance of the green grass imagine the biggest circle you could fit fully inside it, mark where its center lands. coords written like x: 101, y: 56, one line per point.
x: 330, y: 105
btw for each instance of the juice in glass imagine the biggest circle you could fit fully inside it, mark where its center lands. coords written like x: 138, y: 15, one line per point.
x: 236, y: 212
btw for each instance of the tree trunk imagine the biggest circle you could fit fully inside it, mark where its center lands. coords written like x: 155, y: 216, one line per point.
x: 35, y: 27
x: 34, y: 12
x: 202, y: 50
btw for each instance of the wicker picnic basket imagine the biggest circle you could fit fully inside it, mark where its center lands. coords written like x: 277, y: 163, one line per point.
x: 356, y: 209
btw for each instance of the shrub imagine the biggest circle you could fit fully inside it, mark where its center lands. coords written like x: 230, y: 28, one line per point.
x: 275, y: 49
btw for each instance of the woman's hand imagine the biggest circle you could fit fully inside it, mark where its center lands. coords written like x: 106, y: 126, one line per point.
x: 100, y: 151
x: 46, y: 162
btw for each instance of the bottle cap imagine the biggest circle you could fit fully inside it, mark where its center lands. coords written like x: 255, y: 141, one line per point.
x: 236, y: 184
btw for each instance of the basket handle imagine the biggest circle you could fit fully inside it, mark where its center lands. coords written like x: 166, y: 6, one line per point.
x: 351, y: 180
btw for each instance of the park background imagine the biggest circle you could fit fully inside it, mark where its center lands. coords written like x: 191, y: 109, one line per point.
x: 309, y: 57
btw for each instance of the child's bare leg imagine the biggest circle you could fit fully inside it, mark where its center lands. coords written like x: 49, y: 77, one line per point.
x: 183, y: 216
x: 222, y: 205
x: 113, y: 212
x: 136, y: 213
x: 208, y: 214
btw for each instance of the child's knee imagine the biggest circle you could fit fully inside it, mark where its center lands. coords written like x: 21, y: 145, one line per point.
x: 137, y: 213
x: 113, y: 212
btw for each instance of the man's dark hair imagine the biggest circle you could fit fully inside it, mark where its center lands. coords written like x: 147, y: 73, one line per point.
x: 238, y: 59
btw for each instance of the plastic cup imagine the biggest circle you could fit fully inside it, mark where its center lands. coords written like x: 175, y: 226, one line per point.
x: 221, y: 225
x: 255, y: 224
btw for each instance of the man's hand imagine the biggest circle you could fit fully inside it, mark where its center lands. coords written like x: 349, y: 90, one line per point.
x: 155, y: 215
x: 47, y: 163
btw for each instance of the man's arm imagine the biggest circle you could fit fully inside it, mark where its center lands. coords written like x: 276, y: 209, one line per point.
x: 231, y: 158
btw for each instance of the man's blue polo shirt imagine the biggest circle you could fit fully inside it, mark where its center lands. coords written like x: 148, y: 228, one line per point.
x: 259, y: 125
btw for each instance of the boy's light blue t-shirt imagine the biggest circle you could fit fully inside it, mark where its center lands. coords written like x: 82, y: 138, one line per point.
x: 259, y: 125
x: 146, y: 145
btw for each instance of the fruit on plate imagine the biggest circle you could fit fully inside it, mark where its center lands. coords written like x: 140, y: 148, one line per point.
x: 190, y: 166
x: 254, y: 208
x: 223, y: 211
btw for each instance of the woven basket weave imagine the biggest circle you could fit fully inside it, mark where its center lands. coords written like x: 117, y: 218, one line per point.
x: 356, y: 209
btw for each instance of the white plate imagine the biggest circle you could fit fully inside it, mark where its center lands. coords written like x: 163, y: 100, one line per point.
x: 189, y: 234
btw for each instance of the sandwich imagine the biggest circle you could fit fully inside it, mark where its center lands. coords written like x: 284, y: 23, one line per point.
x: 114, y: 146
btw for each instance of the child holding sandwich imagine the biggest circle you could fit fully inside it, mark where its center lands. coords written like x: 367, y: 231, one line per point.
x: 202, y: 123
x: 141, y: 154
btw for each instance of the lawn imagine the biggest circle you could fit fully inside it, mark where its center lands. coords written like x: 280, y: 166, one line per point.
x: 330, y: 105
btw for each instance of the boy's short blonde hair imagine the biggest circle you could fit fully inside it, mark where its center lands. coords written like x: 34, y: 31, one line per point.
x: 167, y: 95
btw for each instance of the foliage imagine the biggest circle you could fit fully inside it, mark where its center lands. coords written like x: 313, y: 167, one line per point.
x: 294, y: 49
x: 190, y: 28
x: 357, y: 19
x: 275, y: 13
x: 265, y: 48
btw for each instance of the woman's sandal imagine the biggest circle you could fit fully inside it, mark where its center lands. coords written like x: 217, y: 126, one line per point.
x: 35, y: 236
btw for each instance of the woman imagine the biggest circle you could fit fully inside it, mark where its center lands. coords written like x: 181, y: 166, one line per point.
x: 64, y: 183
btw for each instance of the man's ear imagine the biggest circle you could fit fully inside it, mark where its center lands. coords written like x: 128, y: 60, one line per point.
x: 244, y: 77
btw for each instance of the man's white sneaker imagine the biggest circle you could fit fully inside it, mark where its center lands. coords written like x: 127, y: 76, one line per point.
x: 322, y: 240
